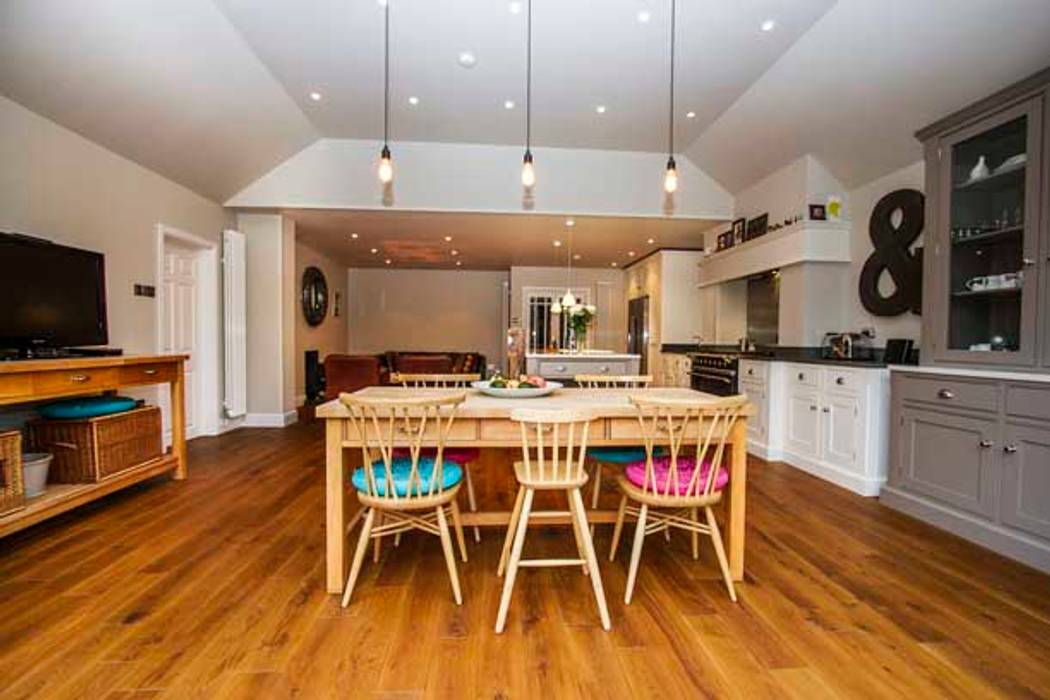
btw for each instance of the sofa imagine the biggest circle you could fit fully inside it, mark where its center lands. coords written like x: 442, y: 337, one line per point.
x: 348, y: 373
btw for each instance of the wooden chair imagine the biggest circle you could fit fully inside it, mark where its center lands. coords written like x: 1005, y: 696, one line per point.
x: 670, y: 493
x: 612, y: 456
x: 395, y: 489
x: 557, y: 464
x: 462, y: 456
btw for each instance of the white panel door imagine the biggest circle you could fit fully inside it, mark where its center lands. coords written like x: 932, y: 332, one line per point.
x: 179, y: 321
x: 803, y: 424
x: 841, y: 430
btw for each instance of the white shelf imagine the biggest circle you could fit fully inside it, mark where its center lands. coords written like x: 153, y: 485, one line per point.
x: 806, y: 241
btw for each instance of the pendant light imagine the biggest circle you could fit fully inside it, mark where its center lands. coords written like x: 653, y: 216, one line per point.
x: 386, y: 163
x: 528, y: 173
x: 671, y: 175
x: 568, y: 300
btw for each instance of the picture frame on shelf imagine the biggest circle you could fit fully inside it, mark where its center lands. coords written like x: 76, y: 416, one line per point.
x: 739, y: 229
x: 756, y: 227
x: 818, y: 212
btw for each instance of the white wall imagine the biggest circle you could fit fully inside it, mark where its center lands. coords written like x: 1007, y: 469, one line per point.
x: 426, y: 310
x: 863, y: 200
x: 270, y: 261
x: 330, y: 336
x: 341, y: 173
x: 606, y: 289
x: 58, y: 185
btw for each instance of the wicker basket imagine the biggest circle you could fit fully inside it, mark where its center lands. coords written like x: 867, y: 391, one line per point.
x: 12, y: 492
x: 93, y: 449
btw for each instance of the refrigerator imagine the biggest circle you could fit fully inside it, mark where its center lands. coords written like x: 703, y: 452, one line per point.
x: 638, y: 331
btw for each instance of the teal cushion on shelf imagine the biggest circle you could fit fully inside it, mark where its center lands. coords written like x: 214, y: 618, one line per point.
x: 451, y: 474
x: 617, y: 455
x: 86, y: 407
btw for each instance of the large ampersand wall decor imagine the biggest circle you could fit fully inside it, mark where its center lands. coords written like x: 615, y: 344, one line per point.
x: 893, y: 255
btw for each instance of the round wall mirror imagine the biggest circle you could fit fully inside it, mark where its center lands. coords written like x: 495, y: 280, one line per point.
x: 315, y: 296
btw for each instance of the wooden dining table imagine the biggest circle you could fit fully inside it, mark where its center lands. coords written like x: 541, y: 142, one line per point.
x: 484, y: 421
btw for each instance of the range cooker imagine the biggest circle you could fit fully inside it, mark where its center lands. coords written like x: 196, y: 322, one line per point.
x: 715, y: 373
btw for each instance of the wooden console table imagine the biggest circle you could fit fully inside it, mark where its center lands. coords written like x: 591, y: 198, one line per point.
x: 483, y: 421
x: 38, y: 380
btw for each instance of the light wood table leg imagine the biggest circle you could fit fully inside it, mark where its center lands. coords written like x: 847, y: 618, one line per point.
x: 178, y: 422
x: 335, y: 500
x: 736, y: 505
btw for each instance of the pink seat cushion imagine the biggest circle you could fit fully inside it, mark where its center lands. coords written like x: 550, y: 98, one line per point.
x: 459, y: 455
x: 635, y: 473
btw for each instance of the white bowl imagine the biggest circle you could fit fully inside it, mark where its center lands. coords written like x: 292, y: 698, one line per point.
x: 531, y: 393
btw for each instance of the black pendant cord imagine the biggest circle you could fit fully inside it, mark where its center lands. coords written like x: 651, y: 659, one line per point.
x: 670, y: 115
x: 386, y: 73
x: 528, y: 82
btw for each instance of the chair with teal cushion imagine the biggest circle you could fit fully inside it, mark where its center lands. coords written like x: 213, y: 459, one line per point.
x: 402, y: 479
x: 612, y: 455
x: 399, y: 486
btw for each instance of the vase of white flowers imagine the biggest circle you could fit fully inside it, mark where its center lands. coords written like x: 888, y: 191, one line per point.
x: 580, y: 318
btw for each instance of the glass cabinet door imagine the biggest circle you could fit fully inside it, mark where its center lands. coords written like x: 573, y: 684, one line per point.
x: 991, y: 176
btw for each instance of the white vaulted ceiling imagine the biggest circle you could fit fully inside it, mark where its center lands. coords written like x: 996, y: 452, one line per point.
x: 216, y: 93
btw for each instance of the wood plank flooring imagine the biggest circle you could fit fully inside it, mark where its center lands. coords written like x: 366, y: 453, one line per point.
x: 213, y: 587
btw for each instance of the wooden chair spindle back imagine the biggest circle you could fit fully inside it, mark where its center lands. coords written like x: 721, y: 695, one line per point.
x: 605, y: 381
x: 434, y: 381
x: 559, y: 451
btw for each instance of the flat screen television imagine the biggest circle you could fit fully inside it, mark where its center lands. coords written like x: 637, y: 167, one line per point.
x: 51, y: 296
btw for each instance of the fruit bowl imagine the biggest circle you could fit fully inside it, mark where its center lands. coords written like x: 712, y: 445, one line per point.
x: 516, y: 393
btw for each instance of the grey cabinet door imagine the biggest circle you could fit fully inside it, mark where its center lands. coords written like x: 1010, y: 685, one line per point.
x: 1025, y: 500
x: 949, y: 458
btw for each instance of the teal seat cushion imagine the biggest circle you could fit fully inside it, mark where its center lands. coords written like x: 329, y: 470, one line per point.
x: 86, y: 407
x: 617, y: 455
x: 451, y: 474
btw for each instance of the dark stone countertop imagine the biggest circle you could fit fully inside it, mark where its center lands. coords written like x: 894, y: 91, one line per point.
x: 774, y: 353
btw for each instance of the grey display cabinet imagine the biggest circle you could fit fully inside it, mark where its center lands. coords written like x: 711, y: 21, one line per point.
x: 972, y: 455
x: 986, y: 290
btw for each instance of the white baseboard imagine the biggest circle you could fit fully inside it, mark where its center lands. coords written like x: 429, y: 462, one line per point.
x: 855, y: 483
x: 270, y: 420
x: 762, y: 450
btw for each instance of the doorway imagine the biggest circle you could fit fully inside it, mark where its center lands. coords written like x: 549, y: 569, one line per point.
x: 638, y: 330
x: 188, y: 324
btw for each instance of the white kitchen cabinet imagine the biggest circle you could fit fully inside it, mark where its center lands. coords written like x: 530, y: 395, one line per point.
x: 676, y: 370
x: 828, y: 420
x: 762, y: 390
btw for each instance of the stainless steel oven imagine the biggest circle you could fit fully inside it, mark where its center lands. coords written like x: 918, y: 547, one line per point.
x: 714, y: 373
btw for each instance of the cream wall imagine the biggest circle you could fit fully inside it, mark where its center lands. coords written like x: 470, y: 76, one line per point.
x: 609, y: 331
x: 331, y: 335
x: 454, y: 310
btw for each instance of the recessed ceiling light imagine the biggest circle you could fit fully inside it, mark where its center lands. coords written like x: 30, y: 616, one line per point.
x: 413, y: 100
x: 768, y: 25
x: 508, y: 104
x: 459, y: 263
x: 448, y: 239
x: 614, y: 264
x: 557, y: 244
x: 644, y: 16
x: 577, y: 256
x: 630, y: 253
x: 515, y: 8
x: 690, y: 115
x: 354, y: 236
x: 315, y: 96
x: 387, y: 261
x: 455, y: 252
x: 600, y: 109
x: 651, y: 241
x: 375, y: 250
x: 467, y: 59
x: 570, y: 222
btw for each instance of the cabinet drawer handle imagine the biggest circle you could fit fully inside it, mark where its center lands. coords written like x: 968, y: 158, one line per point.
x: 946, y: 394
x: 826, y: 409
x: 560, y: 368
x: 149, y: 372
x: 812, y: 408
x: 986, y: 443
x: 603, y: 369
x: 840, y: 380
x: 1009, y: 449
x: 801, y: 376
x: 751, y: 371
x: 1028, y: 262
x: 80, y: 378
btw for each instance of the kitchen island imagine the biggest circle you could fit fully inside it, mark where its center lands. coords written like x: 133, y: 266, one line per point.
x: 566, y: 365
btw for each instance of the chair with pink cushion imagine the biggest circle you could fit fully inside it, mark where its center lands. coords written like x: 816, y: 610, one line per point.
x: 666, y: 491
x: 463, y: 456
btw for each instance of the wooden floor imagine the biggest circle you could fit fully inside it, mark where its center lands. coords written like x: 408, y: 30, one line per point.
x: 214, y: 588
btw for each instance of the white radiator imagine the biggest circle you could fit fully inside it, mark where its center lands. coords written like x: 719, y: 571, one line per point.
x: 235, y: 319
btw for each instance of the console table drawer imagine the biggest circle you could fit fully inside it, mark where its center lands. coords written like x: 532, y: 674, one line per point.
x: 500, y: 429
x: 973, y: 395
x: 74, y: 380
x: 461, y: 431
x: 16, y: 385
x: 147, y: 374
